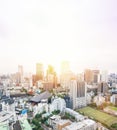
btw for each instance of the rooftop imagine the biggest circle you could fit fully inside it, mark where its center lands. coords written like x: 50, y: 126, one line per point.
x: 25, y: 125
x: 4, y: 126
x: 37, y: 98
x: 62, y: 122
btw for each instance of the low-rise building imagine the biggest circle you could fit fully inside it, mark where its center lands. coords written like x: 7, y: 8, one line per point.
x: 84, y: 125
x: 99, y: 100
x: 75, y: 114
x: 57, y: 123
x: 113, y: 99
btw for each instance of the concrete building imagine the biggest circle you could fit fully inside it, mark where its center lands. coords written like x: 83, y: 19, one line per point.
x: 103, y: 87
x: 88, y: 76
x: 77, y: 93
x: 41, y: 107
x: 78, y: 117
x: 20, y: 73
x: 84, y: 125
x: 65, y: 79
x: 59, y: 124
x: 51, y: 76
x: 80, y: 77
x: 47, y: 85
x: 104, y: 76
x: 39, y: 71
x: 99, y: 100
x: 96, y: 76
x: 53, y: 118
x: 113, y: 99
x: 59, y: 104
x: 73, y: 92
x: 89, y: 97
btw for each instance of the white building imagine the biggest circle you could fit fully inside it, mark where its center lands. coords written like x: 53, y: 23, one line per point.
x: 41, y: 107
x: 84, y: 125
x: 113, y: 99
x: 99, y: 100
x: 8, y: 113
x: 65, y: 78
x: 57, y: 123
x: 73, y: 92
x: 75, y: 114
x: 104, y: 76
x: 88, y: 98
x: 53, y: 118
x: 59, y: 104
x: 77, y: 93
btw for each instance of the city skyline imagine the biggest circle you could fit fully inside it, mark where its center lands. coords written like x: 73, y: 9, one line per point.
x: 48, y: 32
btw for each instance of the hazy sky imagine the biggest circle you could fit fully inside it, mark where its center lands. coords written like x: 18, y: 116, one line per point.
x: 49, y: 31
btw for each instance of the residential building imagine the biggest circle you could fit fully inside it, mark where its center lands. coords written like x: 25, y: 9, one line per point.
x: 103, y: 87
x: 59, y: 104
x: 77, y: 93
x: 113, y: 99
x: 60, y: 124
x: 99, y: 100
x: 76, y: 115
x: 87, y: 124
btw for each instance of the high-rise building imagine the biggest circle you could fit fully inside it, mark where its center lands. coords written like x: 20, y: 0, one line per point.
x: 51, y: 75
x: 20, y: 74
x: 104, y: 76
x: 96, y: 76
x: 77, y: 93
x: 92, y: 76
x: 103, y: 87
x: 88, y: 76
x: 39, y: 71
x: 65, y: 78
x: 50, y: 69
x: 73, y: 92
x: 80, y: 77
x: 66, y: 74
x: 81, y: 89
x: 20, y: 69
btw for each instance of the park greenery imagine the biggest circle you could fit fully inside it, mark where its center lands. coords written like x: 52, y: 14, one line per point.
x: 38, y: 120
x: 114, y: 126
x: 68, y: 116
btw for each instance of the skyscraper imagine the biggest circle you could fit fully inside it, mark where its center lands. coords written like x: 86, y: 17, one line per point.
x: 20, y: 69
x: 88, y: 76
x: 39, y: 71
x: 103, y: 87
x: 73, y: 92
x: 20, y: 74
x: 104, y: 76
x: 81, y: 89
x: 66, y: 74
x: 96, y: 76
x: 51, y: 75
x: 77, y: 93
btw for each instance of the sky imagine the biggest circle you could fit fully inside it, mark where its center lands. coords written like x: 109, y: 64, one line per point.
x: 83, y: 32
